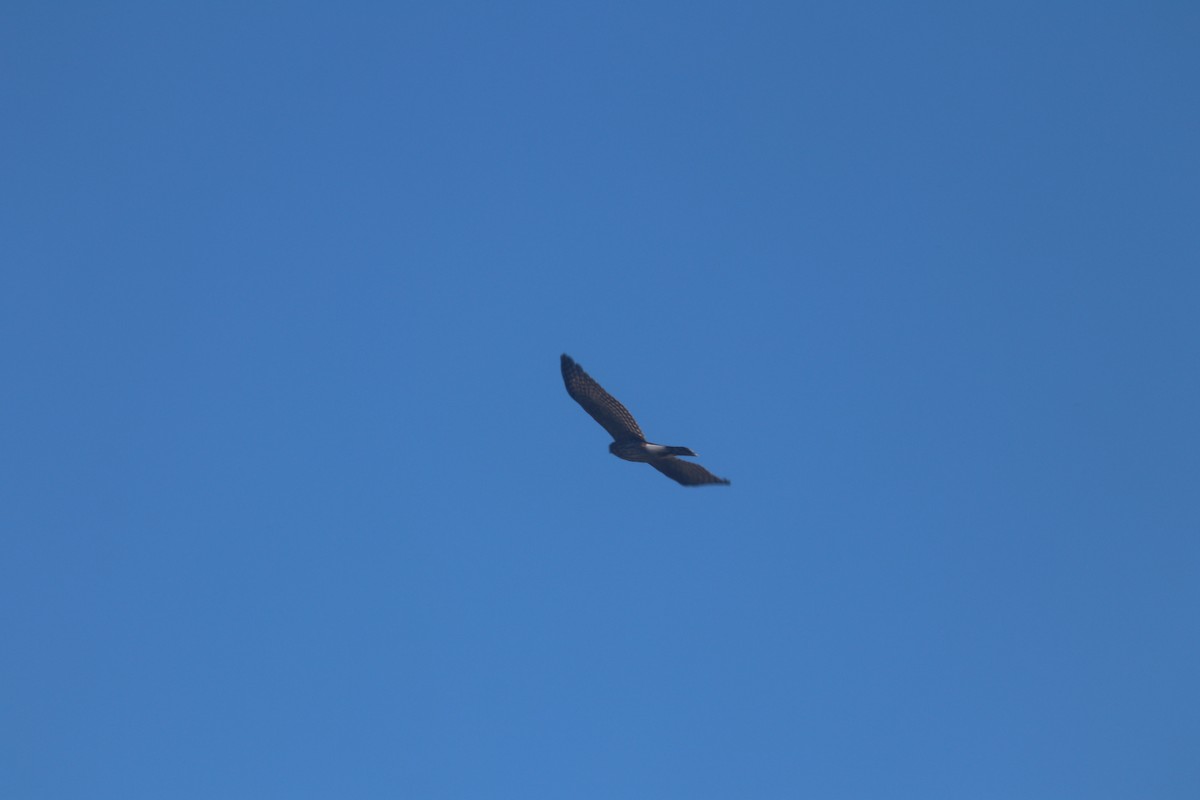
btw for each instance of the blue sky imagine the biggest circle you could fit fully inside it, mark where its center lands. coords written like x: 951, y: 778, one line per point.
x: 294, y: 503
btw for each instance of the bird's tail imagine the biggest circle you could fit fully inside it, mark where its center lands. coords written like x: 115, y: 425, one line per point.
x: 680, y: 451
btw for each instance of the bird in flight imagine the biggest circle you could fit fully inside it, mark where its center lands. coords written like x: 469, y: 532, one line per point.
x: 628, y: 441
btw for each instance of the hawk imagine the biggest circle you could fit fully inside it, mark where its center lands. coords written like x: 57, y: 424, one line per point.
x: 628, y: 441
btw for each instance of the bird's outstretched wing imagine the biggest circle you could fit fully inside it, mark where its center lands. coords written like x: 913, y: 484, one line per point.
x: 603, y: 407
x: 689, y: 473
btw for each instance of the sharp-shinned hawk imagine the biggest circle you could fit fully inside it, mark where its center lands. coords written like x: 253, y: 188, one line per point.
x: 628, y: 441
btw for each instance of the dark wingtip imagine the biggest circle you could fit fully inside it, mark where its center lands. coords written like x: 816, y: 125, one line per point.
x: 717, y: 482
x: 569, y: 370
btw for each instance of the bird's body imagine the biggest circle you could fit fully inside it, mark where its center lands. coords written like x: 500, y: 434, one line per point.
x: 628, y: 441
x: 632, y: 450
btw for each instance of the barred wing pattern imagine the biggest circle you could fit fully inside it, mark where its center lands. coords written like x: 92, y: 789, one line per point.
x: 688, y: 473
x: 603, y: 407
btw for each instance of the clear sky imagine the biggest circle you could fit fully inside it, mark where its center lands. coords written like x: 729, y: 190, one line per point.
x: 293, y: 502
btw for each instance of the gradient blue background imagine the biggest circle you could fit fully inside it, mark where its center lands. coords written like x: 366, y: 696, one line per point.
x: 294, y: 503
